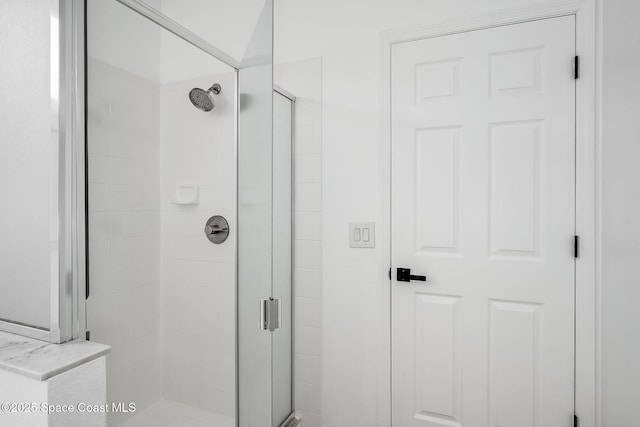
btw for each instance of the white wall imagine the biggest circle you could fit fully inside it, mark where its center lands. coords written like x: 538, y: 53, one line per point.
x: 620, y: 214
x: 347, y: 37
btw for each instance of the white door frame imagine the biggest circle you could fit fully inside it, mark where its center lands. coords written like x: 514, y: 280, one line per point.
x: 588, y: 115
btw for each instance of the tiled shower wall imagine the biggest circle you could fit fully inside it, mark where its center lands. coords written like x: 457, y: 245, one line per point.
x: 161, y: 294
x: 304, y: 80
x: 124, y: 219
x: 198, y: 277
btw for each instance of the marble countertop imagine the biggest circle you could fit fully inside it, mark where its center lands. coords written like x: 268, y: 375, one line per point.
x: 41, y: 360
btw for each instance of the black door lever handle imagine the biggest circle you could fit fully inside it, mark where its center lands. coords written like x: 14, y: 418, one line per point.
x: 404, y: 275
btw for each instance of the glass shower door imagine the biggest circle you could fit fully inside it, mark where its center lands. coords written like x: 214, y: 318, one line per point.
x: 264, y: 238
x: 282, y: 257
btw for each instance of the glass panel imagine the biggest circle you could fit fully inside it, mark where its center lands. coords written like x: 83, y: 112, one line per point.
x: 215, y: 21
x: 161, y: 293
x: 28, y: 160
x: 255, y: 223
x: 282, y: 256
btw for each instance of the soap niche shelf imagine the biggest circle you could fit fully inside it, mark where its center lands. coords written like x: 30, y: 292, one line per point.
x: 186, y: 195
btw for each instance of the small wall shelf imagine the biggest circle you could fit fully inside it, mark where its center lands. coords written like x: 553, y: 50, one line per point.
x: 186, y: 195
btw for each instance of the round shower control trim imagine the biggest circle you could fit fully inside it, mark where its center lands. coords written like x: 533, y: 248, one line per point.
x: 216, y: 229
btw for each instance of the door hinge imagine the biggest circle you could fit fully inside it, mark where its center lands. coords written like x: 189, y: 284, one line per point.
x: 576, y: 246
x: 270, y: 316
x: 389, y: 273
x: 576, y: 420
x: 576, y: 67
x: 87, y: 335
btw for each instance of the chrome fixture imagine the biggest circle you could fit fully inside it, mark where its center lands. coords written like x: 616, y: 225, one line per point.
x: 270, y: 314
x: 216, y: 229
x: 203, y: 99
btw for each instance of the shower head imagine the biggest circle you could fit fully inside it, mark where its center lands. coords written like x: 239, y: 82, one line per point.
x: 203, y: 99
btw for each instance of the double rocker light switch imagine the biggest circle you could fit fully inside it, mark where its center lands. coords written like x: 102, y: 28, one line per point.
x: 362, y: 234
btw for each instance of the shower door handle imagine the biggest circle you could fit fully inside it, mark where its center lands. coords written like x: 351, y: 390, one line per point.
x: 270, y: 314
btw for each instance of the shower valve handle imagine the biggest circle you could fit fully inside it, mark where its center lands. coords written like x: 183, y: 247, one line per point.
x: 216, y: 229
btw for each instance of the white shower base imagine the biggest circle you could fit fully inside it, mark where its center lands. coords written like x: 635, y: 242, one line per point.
x: 166, y: 413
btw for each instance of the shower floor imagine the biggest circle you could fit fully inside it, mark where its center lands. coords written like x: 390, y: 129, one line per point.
x: 166, y: 413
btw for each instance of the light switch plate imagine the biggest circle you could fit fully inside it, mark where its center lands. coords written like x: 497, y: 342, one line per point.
x: 362, y: 234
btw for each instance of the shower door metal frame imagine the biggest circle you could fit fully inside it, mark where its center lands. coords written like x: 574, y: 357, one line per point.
x: 73, y: 189
x: 293, y: 419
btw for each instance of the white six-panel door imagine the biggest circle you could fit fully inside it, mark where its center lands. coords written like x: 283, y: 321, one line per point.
x: 483, y: 201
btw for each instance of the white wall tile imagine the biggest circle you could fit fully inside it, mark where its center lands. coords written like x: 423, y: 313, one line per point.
x: 99, y: 253
x: 308, y: 226
x: 135, y: 224
x: 120, y: 388
x: 121, y: 357
x: 129, y: 189
x: 308, y: 369
x: 311, y: 419
x: 121, y: 316
x: 308, y: 197
x: 99, y: 134
x: 145, y: 298
x: 99, y: 226
x: 124, y: 254
x: 308, y: 168
x: 186, y: 221
x: 217, y: 197
x: 308, y: 340
x: 216, y: 275
x: 100, y: 280
x: 145, y: 321
x: 99, y: 320
x: 198, y: 277
x: 146, y: 382
x: 125, y: 250
x: 308, y: 397
x: 127, y: 197
x: 99, y: 197
x: 195, y: 248
x: 308, y: 312
x: 308, y: 283
x: 308, y: 139
x: 303, y: 78
x: 308, y: 254
x: 100, y: 168
x: 307, y: 111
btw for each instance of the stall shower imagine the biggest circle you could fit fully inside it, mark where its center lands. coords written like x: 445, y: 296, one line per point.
x: 189, y: 223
